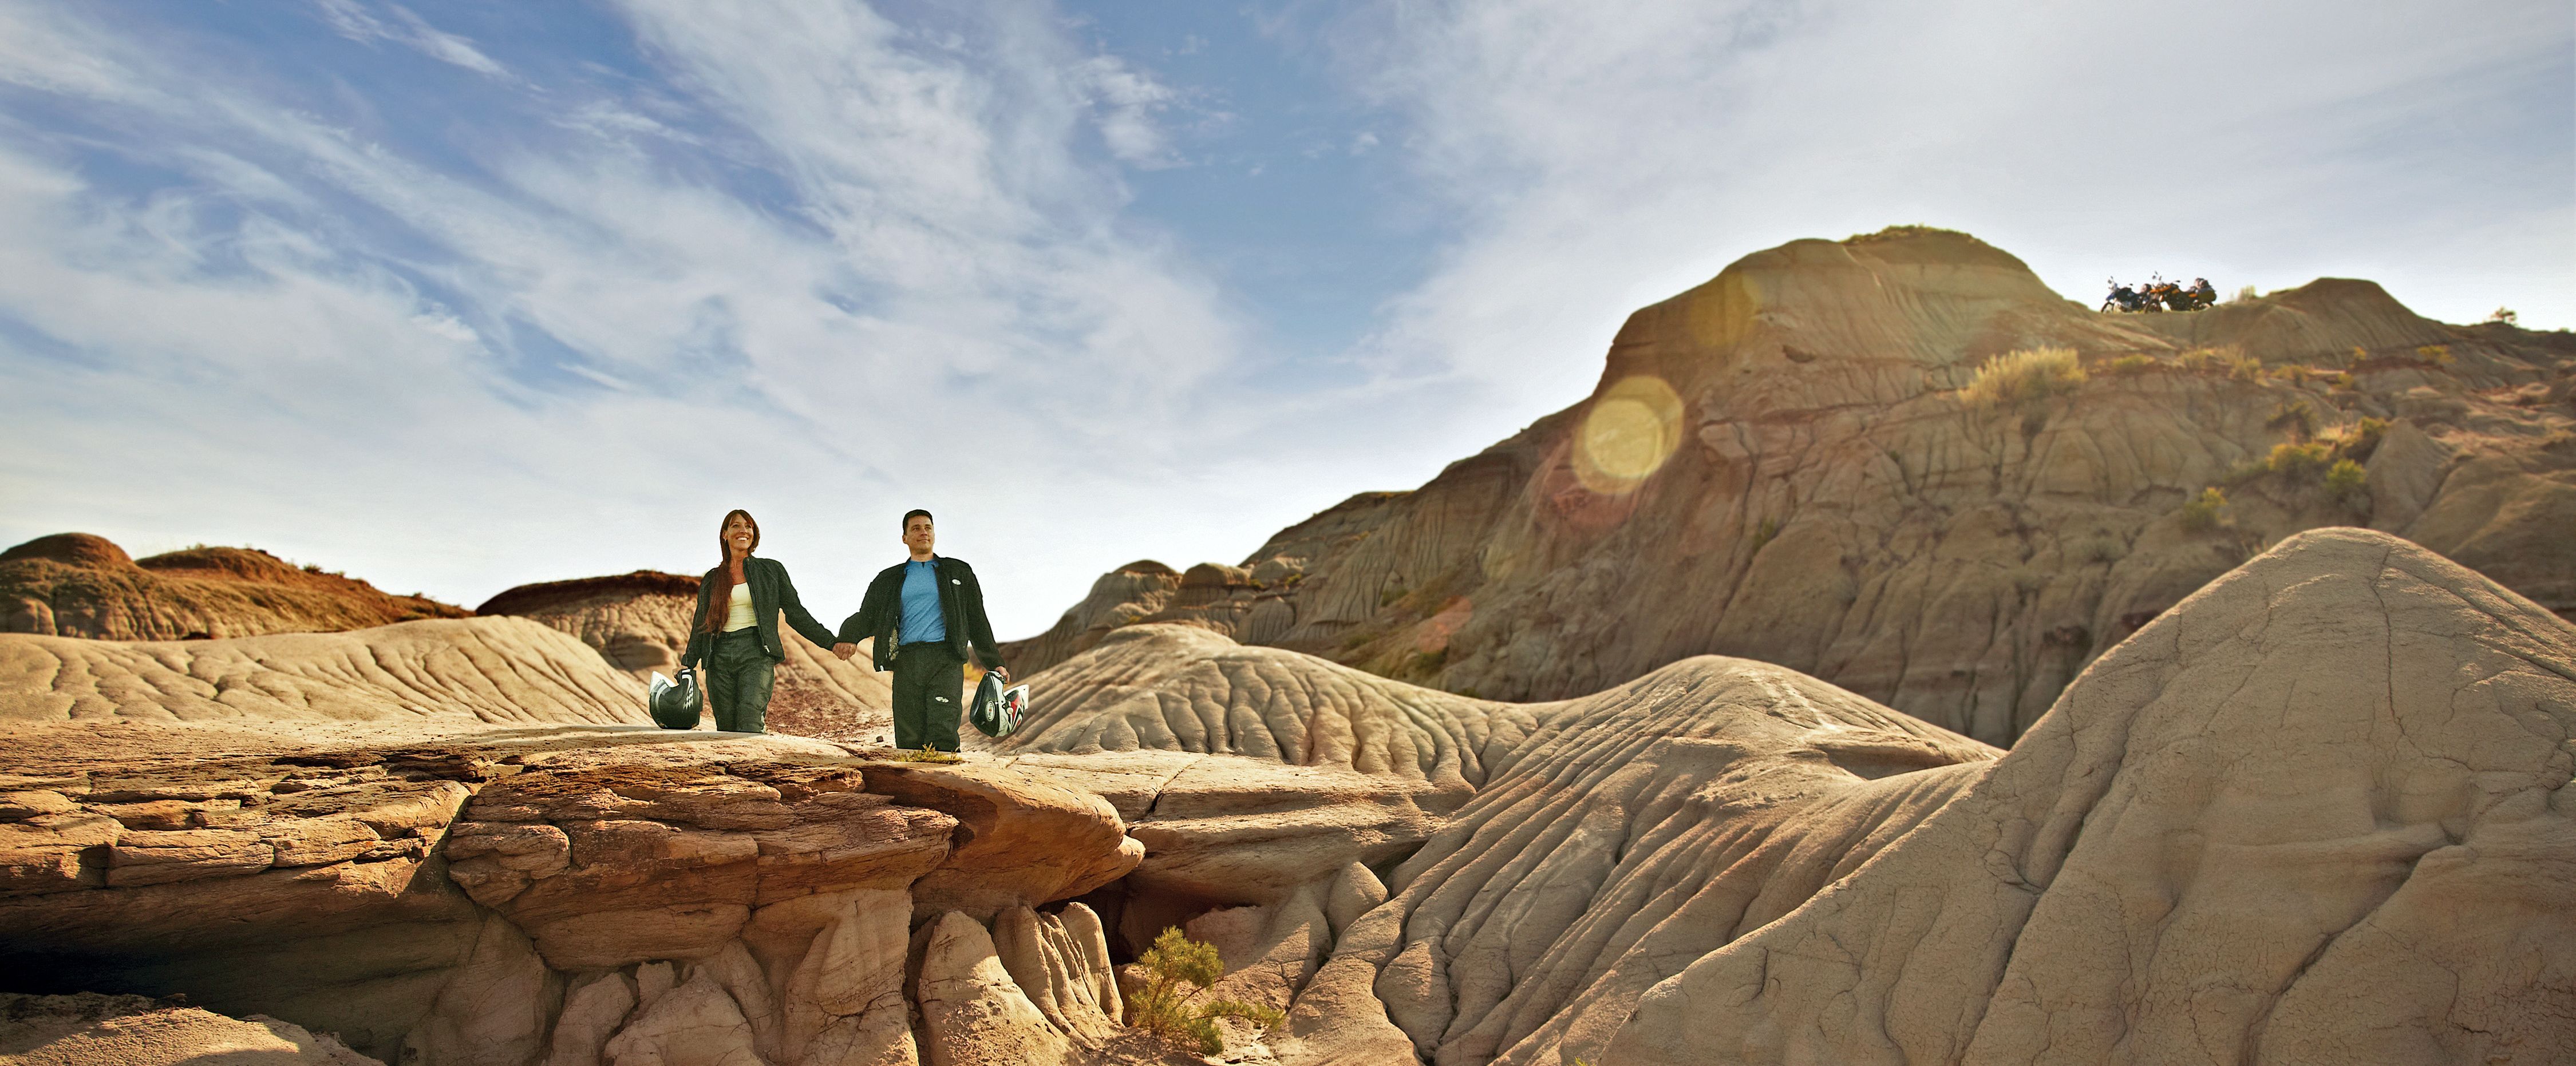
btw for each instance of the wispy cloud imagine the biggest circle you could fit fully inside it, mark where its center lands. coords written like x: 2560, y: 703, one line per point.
x: 1599, y: 163
x: 458, y: 324
x: 1127, y: 104
x: 409, y: 30
x: 855, y: 273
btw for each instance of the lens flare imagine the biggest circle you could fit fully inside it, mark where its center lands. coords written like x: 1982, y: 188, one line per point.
x: 1627, y: 435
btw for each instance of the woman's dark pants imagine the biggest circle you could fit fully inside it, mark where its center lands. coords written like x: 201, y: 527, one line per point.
x: 929, y: 679
x: 738, y: 682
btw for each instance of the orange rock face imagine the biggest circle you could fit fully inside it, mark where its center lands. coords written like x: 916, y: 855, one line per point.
x: 1789, y: 463
x: 78, y: 585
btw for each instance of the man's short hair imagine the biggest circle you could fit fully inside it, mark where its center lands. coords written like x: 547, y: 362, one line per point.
x: 907, y: 518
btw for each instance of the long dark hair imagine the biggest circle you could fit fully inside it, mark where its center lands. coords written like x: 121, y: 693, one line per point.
x: 721, y: 603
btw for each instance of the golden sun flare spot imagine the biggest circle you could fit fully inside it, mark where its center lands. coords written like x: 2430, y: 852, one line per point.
x: 1627, y: 435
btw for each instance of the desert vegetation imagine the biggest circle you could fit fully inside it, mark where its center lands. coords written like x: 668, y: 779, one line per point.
x: 1178, y: 972
x: 2024, y: 376
x: 2207, y: 511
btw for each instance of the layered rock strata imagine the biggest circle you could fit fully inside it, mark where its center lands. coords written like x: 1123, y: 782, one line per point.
x: 551, y: 893
x: 1787, y: 464
x: 2318, y: 813
x: 2335, y: 776
x: 465, y: 670
x: 79, y: 585
x: 88, y: 1028
x: 2349, y: 742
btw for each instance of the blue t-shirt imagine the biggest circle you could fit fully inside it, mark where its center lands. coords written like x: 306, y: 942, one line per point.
x: 921, y: 620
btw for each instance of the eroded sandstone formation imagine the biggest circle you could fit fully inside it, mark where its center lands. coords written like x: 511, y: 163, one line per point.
x: 2318, y: 813
x: 2336, y: 776
x: 87, y: 1029
x: 463, y: 670
x: 1784, y: 464
x: 79, y: 585
x: 560, y: 894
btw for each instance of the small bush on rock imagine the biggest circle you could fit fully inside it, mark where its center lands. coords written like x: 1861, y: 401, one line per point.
x: 2358, y: 441
x: 2022, y: 376
x: 1177, y: 971
x: 2298, y: 459
x: 2205, y: 512
x: 2345, y: 479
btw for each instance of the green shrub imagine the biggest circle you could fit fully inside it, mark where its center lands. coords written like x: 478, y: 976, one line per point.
x: 2359, y: 440
x: 1178, y: 970
x: 2504, y: 315
x: 2434, y: 355
x: 2299, y: 459
x: 2346, y: 478
x: 2205, y: 512
x: 2022, y: 376
x: 2243, y: 367
x: 1763, y: 533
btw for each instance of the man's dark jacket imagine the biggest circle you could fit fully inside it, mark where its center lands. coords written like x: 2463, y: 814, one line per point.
x: 961, y: 609
x: 771, y: 593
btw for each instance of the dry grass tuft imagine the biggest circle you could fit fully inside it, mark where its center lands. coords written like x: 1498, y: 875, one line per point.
x: 2024, y: 376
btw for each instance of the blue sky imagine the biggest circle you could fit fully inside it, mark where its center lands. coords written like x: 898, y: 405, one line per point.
x: 455, y: 296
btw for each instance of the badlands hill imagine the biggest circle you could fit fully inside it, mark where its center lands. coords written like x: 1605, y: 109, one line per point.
x: 78, y: 585
x: 2315, y: 812
x: 1794, y: 463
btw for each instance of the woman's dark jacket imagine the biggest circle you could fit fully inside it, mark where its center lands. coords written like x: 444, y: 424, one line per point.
x: 771, y: 593
x: 961, y: 609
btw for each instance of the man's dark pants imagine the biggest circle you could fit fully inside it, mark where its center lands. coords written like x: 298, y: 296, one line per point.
x: 929, y: 682
x: 739, y: 677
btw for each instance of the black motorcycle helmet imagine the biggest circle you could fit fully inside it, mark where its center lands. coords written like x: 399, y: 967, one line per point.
x: 675, y: 704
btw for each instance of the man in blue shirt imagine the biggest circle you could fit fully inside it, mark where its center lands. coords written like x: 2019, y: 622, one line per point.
x: 926, y: 615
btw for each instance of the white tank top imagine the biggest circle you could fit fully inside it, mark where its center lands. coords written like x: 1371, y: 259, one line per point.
x: 740, y: 617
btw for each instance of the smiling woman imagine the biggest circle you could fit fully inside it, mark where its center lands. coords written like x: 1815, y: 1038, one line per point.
x: 735, y: 635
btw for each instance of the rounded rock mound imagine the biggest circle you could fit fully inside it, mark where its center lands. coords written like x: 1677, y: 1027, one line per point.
x: 80, y: 585
x: 1186, y: 689
x: 72, y: 549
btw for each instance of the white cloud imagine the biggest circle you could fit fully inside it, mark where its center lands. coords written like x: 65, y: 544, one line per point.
x: 1601, y: 163
x: 1125, y: 103
x: 352, y: 20
x: 943, y: 307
